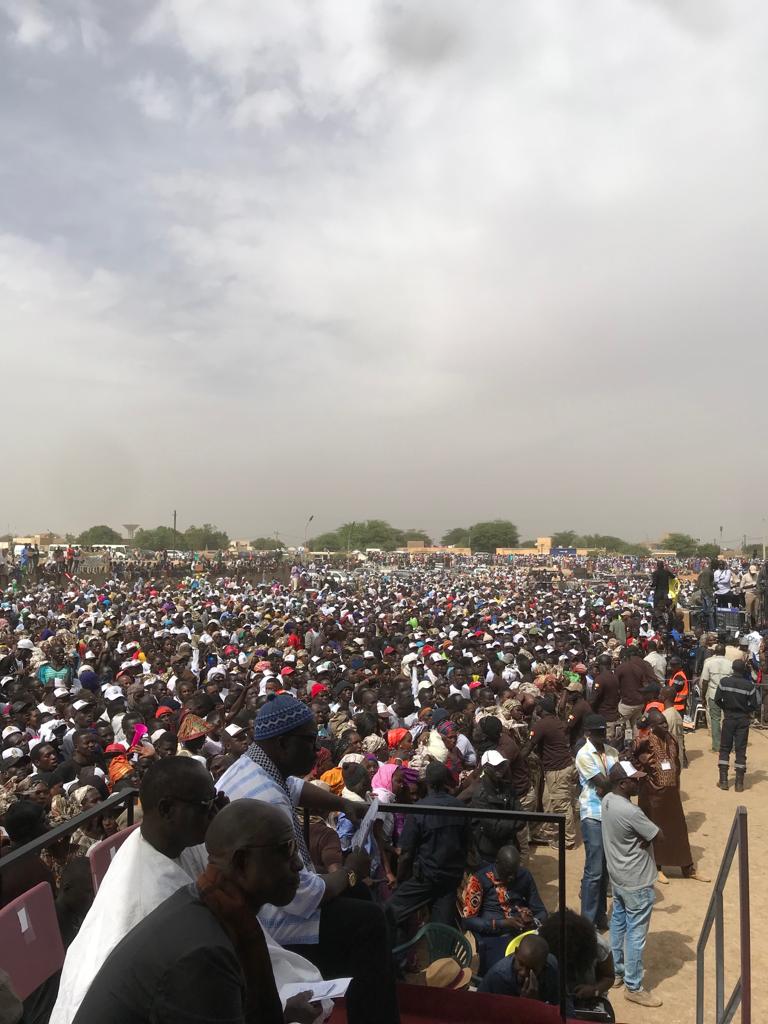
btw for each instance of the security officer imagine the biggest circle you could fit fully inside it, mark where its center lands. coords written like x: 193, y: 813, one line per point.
x: 737, y: 696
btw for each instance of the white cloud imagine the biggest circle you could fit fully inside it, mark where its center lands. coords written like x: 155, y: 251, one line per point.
x: 156, y: 100
x: 267, y: 108
x: 31, y: 25
x: 460, y: 255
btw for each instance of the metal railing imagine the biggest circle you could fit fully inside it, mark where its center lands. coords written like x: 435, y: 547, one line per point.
x: 742, y: 990
x: 527, y: 816
x: 125, y: 796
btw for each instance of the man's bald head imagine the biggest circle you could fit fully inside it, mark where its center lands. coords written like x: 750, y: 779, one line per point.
x: 508, y: 863
x: 253, y: 845
x: 532, y: 953
x: 244, y: 823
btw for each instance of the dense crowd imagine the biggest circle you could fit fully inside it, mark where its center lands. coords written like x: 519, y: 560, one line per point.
x: 479, y: 685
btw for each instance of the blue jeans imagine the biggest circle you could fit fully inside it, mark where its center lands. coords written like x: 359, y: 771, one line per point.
x: 594, y: 883
x: 630, y: 919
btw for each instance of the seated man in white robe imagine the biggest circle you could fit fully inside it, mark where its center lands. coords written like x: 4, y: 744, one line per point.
x: 164, y: 854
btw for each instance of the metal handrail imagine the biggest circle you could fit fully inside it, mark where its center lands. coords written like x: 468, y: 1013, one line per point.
x: 125, y: 796
x: 483, y: 812
x: 742, y: 990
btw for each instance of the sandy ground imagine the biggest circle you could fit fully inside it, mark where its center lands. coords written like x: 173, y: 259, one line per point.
x: 670, y: 954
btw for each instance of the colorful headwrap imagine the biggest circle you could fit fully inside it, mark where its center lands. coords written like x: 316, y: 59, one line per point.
x: 395, y: 737
x: 119, y: 767
x: 373, y: 743
x: 334, y: 778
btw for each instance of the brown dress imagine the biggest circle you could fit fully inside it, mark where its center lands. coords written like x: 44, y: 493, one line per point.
x: 660, y: 799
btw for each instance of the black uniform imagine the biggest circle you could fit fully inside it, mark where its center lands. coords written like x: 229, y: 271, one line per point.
x: 737, y: 696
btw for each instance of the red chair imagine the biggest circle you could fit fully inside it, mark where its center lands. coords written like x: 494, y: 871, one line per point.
x: 31, y: 949
x: 101, y: 854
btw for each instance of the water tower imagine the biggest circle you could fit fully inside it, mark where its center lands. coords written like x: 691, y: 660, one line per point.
x: 130, y: 529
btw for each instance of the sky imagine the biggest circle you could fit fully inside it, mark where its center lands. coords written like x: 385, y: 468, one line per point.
x: 433, y: 262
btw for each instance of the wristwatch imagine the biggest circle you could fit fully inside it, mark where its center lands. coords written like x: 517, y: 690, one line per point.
x: 351, y: 878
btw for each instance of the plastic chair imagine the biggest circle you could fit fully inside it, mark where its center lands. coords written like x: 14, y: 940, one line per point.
x: 101, y: 854
x: 701, y: 709
x: 441, y: 941
x: 30, y: 940
x: 514, y: 943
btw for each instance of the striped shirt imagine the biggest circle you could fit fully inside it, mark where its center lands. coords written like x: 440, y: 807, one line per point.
x: 591, y: 763
x: 298, y: 923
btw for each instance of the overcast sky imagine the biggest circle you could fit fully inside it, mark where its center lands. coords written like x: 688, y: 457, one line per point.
x: 434, y: 261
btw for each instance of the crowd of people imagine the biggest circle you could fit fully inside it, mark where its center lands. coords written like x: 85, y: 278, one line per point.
x: 232, y: 706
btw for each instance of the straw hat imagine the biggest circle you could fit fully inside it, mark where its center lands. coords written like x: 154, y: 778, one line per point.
x: 447, y: 973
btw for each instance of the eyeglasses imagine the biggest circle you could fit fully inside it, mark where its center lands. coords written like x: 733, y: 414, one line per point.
x: 203, y: 805
x: 287, y: 849
x: 305, y: 736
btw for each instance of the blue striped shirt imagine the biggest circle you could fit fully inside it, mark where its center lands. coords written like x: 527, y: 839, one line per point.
x: 298, y: 923
x: 589, y: 764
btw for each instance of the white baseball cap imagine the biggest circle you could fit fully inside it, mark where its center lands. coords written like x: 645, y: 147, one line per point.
x: 492, y: 757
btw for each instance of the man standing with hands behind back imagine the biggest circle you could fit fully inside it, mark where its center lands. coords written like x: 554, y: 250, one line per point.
x: 628, y: 839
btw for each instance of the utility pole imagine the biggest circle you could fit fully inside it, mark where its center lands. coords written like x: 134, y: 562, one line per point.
x: 721, y: 538
x: 306, y: 531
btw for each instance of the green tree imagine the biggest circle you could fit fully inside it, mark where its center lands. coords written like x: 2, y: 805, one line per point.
x: 498, y: 533
x: 370, y: 533
x: 527, y: 543
x: 682, y: 543
x: 458, y: 537
x: 708, y: 550
x: 325, y: 542
x: 267, y: 544
x: 99, y: 535
x: 566, y: 539
x: 205, y: 538
x: 160, y: 539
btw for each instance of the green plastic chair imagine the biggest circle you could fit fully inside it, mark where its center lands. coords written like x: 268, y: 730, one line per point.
x: 441, y: 941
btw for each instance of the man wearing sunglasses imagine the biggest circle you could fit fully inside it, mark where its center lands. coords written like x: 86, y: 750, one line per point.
x: 179, y: 803
x: 201, y: 955
x: 342, y: 936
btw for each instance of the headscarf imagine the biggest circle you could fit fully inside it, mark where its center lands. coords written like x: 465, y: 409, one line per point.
x: 448, y: 729
x: 382, y: 780
x: 334, y: 778
x: 351, y: 759
x: 77, y: 797
x: 396, y: 736
x: 119, y: 767
x: 373, y: 743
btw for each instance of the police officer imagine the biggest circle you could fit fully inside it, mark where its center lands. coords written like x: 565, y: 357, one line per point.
x: 737, y: 696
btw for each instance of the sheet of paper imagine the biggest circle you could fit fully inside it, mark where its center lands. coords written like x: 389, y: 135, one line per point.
x: 360, y: 838
x: 335, y: 989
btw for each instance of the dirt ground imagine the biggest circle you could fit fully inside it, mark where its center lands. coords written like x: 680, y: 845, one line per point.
x: 670, y: 954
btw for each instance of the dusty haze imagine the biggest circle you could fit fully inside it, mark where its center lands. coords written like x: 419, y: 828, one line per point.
x: 432, y: 262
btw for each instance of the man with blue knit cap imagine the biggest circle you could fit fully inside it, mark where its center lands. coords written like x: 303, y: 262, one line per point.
x: 341, y: 936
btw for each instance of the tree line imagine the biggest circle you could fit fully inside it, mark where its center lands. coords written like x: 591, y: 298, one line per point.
x: 377, y: 533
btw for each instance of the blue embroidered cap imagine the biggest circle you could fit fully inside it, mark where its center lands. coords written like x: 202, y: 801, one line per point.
x: 281, y: 714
